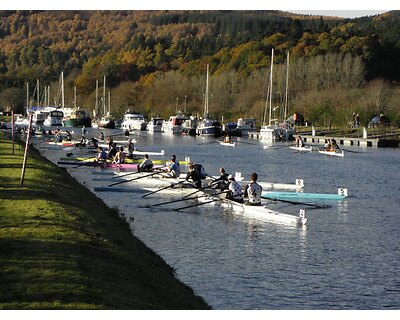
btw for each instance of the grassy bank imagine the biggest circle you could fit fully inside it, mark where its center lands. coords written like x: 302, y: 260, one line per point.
x: 63, y: 248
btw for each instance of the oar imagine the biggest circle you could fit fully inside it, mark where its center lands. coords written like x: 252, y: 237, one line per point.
x: 163, y: 188
x: 209, y: 142
x: 298, y: 202
x: 195, y: 205
x: 347, y: 150
x: 244, y: 142
x: 119, y: 182
x: 186, y: 198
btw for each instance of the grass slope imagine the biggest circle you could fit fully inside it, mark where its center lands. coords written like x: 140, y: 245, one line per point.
x: 61, y: 247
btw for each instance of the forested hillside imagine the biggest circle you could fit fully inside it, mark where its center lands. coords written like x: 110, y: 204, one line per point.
x: 155, y: 61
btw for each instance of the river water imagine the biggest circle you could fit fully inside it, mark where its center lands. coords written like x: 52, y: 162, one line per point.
x: 347, y: 257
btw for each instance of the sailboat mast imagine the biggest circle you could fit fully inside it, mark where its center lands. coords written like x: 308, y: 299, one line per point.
x: 27, y: 98
x: 270, y: 87
x: 62, y: 90
x: 38, y: 92
x: 96, y: 103
x: 109, y: 102
x: 75, y: 96
x: 104, y: 95
x: 286, y: 88
x: 206, y: 95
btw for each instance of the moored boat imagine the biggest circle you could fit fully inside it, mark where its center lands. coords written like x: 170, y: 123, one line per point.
x: 76, y: 117
x: 174, y: 124
x: 134, y: 121
x: 155, y: 124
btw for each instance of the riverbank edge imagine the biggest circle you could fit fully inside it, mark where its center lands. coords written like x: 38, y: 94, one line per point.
x: 63, y: 248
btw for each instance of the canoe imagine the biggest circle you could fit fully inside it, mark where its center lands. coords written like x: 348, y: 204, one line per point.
x: 301, y: 149
x: 228, y: 144
x: 332, y: 153
x: 264, y: 213
x: 342, y: 193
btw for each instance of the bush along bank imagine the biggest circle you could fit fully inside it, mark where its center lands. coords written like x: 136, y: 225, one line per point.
x: 61, y: 247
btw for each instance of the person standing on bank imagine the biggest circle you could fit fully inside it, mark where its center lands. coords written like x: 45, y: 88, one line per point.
x: 253, y: 191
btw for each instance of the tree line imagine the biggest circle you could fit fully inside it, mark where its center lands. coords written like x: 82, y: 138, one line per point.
x: 152, y: 59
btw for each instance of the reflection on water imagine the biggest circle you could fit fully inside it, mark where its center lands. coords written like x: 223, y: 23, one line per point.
x: 346, y: 257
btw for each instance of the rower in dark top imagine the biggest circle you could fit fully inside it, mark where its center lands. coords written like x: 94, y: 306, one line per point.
x: 146, y: 165
x: 221, y: 182
x: 194, y: 175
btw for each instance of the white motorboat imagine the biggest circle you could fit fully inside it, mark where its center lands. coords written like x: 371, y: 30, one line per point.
x: 134, y: 121
x: 155, y: 124
x: 174, y: 124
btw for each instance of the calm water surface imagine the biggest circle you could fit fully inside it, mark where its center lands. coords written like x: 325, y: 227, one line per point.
x: 346, y: 258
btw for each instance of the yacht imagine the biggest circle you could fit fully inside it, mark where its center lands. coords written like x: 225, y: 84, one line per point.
x: 208, y: 126
x: 134, y: 121
x: 174, y: 124
x: 155, y: 124
x: 54, y: 118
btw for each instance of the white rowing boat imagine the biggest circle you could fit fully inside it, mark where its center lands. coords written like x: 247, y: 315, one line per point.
x: 227, y: 144
x: 332, y: 153
x: 299, y: 184
x: 264, y: 213
x: 299, y: 196
x: 302, y: 149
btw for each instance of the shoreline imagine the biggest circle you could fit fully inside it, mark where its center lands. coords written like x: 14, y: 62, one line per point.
x: 63, y: 248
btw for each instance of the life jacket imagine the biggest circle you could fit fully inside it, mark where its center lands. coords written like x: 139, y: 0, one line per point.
x: 199, y: 167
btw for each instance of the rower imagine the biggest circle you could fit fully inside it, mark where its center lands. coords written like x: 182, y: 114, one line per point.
x: 194, y: 175
x: 334, y: 145
x: 235, y: 192
x: 112, y: 151
x: 174, y: 169
x: 102, y: 155
x: 299, y: 142
x: 130, y: 147
x: 253, y: 191
x: 120, y: 156
x: 101, y: 136
x: 221, y: 182
x: 146, y: 165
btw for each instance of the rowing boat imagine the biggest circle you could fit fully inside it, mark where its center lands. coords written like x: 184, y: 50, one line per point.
x: 62, y: 143
x: 99, y: 164
x: 139, y: 153
x: 127, y: 160
x: 228, y: 144
x: 332, y: 153
x: 342, y: 193
x: 301, y: 149
x: 264, y: 213
x: 299, y: 184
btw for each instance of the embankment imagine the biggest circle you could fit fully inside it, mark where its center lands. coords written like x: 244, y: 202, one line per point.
x: 61, y: 247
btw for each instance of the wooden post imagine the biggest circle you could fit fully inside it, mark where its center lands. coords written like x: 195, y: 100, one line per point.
x: 12, y: 130
x: 28, y: 136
